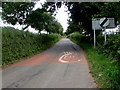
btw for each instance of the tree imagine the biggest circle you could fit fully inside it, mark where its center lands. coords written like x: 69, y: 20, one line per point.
x: 40, y: 20
x: 58, y: 28
x: 51, y: 7
x: 22, y: 13
x: 81, y: 14
x: 111, y: 10
x: 16, y: 12
x: 54, y: 27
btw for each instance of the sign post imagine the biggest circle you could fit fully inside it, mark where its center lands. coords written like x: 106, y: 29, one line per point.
x: 102, y: 24
x: 105, y: 36
x: 94, y: 38
x: 95, y: 26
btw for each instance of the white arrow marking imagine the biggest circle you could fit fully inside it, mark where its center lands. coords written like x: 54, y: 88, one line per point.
x: 65, y: 56
x: 60, y: 59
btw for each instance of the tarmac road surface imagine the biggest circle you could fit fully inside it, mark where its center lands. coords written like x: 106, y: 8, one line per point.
x: 64, y: 65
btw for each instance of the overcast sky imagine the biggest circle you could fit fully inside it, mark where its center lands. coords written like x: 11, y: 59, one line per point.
x: 61, y: 17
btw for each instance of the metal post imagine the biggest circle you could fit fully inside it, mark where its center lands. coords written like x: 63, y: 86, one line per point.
x: 105, y: 36
x: 94, y: 39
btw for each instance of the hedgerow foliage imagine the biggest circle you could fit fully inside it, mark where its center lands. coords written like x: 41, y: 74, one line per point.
x: 76, y: 36
x: 17, y: 44
x: 79, y: 37
x: 105, y: 70
x: 111, y: 48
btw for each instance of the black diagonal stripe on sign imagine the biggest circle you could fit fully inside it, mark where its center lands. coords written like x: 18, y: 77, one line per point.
x: 103, y: 22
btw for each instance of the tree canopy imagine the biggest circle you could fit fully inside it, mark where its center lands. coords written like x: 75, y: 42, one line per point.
x: 23, y: 13
x: 16, y: 12
x: 81, y: 14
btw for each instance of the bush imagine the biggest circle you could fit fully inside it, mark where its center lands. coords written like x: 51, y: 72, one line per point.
x: 111, y: 48
x: 80, y: 38
x: 17, y: 44
x: 105, y: 71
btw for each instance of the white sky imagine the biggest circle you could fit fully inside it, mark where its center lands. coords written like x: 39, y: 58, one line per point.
x: 61, y: 17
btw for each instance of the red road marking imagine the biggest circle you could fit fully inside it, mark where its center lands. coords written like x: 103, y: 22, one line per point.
x: 39, y: 59
x: 71, y: 59
x: 35, y: 60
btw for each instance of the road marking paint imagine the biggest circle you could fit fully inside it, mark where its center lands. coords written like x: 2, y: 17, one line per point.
x: 61, y: 59
x: 64, y: 52
x: 65, y: 57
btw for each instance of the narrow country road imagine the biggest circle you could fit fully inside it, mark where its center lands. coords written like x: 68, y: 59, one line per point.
x: 62, y: 66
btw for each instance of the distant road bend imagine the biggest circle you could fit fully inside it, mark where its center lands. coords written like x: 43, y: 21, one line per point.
x: 62, y: 66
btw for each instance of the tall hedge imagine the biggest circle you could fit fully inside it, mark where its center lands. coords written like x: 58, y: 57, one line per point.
x: 111, y: 48
x: 80, y: 37
x: 17, y: 44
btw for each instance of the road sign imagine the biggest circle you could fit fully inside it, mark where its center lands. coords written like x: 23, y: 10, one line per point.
x: 111, y: 23
x: 104, y: 22
x: 96, y: 24
x: 100, y: 24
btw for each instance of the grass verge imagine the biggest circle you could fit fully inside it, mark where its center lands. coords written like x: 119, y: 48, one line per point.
x: 104, y: 70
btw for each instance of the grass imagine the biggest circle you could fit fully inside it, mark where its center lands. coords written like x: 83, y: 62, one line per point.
x: 104, y: 70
